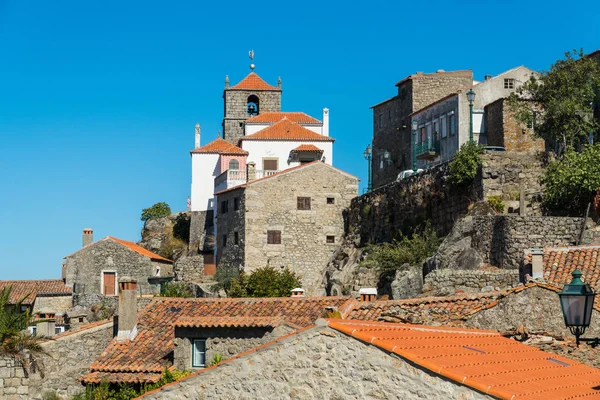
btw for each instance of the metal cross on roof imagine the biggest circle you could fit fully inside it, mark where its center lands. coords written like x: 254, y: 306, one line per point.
x: 251, y: 55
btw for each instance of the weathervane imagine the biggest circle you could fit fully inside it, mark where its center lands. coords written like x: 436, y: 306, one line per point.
x: 251, y: 55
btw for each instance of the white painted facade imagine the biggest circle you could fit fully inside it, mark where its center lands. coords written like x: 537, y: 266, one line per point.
x: 252, y: 128
x: 205, y: 168
x: 281, y: 150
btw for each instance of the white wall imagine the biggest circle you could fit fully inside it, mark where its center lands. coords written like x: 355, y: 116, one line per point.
x: 281, y: 149
x: 205, y: 168
x: 250, y: 129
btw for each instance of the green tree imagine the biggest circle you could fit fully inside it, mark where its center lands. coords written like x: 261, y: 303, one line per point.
x: 156, y: 211
x: 264, y: 282
x: 464, y: 165
x: 559, y: 102
x: 572, y: 181
x: 176, y: 289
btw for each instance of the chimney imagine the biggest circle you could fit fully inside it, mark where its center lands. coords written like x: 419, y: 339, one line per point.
x: 88, y: 237
x: 487, y: 77
x: 226, y: 81
x: 197, y: 138
x: 537, y: 263
x: 127, y: 321
x: 251, y: 171
x: 368, y: 294
x: 325, y: 122
x: 45, y: 323
x: 298, y: 292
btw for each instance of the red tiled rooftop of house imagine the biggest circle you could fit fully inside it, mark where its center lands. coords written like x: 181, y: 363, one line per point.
x: 219, y: 146
x: 306, y: 147
x: 229, y: 322
x: 287, y: 130
x: 139, y: 249
x: 253, y: 82
x: 149, y: 352
x: 482, y: 360
x: 559, y: 263
x: 29, y: 290
x: 272, y: 117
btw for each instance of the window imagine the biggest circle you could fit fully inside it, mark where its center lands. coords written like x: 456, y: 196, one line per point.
x: 236, y: 203
x: 273, y: 237
x: 32, y: 330
x: 436, y: 129
x: 509, y: 83
x: 224, y: 240
x: 59, y: 329
x: 270, y: 164
x: 381, y: 161
x: 236, y: 238
x: 108, y: 283
x: 330, y: 239
x: 444, y: 126
x: 234, y: 164
x: 199, y: 353
x: 224, y: 206
x: 157, y: 271
x: 330, y: 200
x: 451, y: 124
x: 381, y: 120
x: 253, y: 105
x: 303, y: 203
x: 80, y: 320
x: 421, y: 137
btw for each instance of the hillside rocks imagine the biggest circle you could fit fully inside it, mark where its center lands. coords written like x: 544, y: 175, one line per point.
x: 167, y: 236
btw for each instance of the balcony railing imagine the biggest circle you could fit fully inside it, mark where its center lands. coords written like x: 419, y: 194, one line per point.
x: 261, y: 173
x: 230, y: 178
x: 428, y: 150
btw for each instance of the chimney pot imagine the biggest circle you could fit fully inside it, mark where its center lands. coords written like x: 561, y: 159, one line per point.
x: 87, y: 237
x: 537, y: 263
x: 298, y: 292
x: 368, y: 294
x: 250, y: 171
x: 325, y: 129
x: 127, y: 309
x: 487, y: 77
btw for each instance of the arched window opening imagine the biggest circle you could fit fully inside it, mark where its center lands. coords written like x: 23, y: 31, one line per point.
x: 253, y: 105
x: 234, y: 164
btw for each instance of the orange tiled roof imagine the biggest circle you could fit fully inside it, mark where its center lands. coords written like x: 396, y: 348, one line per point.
x: 31, y: 289
x: 272, y: 117
x: 253, y: 82
x: 287, y: 130
x: 482, y: 360
x: 559, y: 263
x: 149, y: 351
x: 307, y: 147
x: 122, y: 377
x: 219, y: 146
x: 229, y: 322
x: 139, y: 249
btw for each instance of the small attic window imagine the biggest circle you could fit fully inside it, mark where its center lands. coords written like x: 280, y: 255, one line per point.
x: 509, y: 83
x: 331, y: 200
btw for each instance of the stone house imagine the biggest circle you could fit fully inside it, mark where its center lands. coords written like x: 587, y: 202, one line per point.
x: 291, y: 219
x: 94, y: 270
x: 392, y: 124
x: 444, y: 125
x: 345, y: 359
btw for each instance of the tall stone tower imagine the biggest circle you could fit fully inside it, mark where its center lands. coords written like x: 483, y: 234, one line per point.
x: 250, y: 97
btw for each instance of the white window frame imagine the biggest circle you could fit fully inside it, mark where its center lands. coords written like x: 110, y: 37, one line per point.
x: 451, y: 124
x: 194, y: 364
x: 102, y: 282
x: 444, y: 127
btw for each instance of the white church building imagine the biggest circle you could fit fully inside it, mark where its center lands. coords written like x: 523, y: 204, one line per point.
x: 258, y: 136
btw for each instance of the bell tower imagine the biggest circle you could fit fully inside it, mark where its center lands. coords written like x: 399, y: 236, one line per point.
x: 248, y: 98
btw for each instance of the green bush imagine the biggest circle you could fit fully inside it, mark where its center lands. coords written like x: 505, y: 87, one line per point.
x: 496, y: 203
x: 464, y: 165
x: 156, y: 211
x: 176, y: 289
x: 387, y: 258
x: 181, y: 228
x: 572, y: 181
x: 224, y: 278
x: 264, y: 282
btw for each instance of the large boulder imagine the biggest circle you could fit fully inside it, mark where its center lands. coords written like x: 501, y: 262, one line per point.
x: 407, y: 283
x: 167, y: 236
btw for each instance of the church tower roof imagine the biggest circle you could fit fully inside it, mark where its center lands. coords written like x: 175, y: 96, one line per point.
x: 253, y: 82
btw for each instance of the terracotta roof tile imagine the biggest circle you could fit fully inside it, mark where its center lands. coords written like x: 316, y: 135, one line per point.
x: 219, y: 146
x: 287, y: 130
x: 253, y: 82
x: 139, y: 249
x: 229, y: 322
x: 559, y: 263
x: 306, y: 147
x: 482, y: 360
x: 31, y: 289
x: 149, y: 351
x: 272, y: 117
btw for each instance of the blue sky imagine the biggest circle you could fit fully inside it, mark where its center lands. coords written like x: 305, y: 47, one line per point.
x: 98, y: 100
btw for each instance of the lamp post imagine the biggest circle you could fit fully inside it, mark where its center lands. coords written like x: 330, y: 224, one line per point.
x: 577, y: 303
x: 471, y: 99
x: 369, y: 156
x: 414, y: 126
x: 386, y: 157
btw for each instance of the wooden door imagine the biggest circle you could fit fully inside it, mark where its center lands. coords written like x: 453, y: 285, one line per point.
x: 109, y: 283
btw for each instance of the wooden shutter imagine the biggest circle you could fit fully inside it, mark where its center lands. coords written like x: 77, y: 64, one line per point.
x: 303, y: 203
x: 270, y: 165
x: 273, y: 237
x: 109, y: 283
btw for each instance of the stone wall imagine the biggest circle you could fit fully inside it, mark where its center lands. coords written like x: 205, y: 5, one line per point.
x: 53, y: 302
x: 229, y: 225
x: 236, y: 109
x: 505, y: 131
x: 225, y: 342
x: 501, y: 239
x: 69, y: 356
x: 447, y: 282
x: 317, y: 364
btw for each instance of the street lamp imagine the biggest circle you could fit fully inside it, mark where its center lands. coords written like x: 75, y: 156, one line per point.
x: 471, y: 99
x: 386, y: 157
x: 369, y: 156
x: 414, y: 126
x: 577, y: 303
